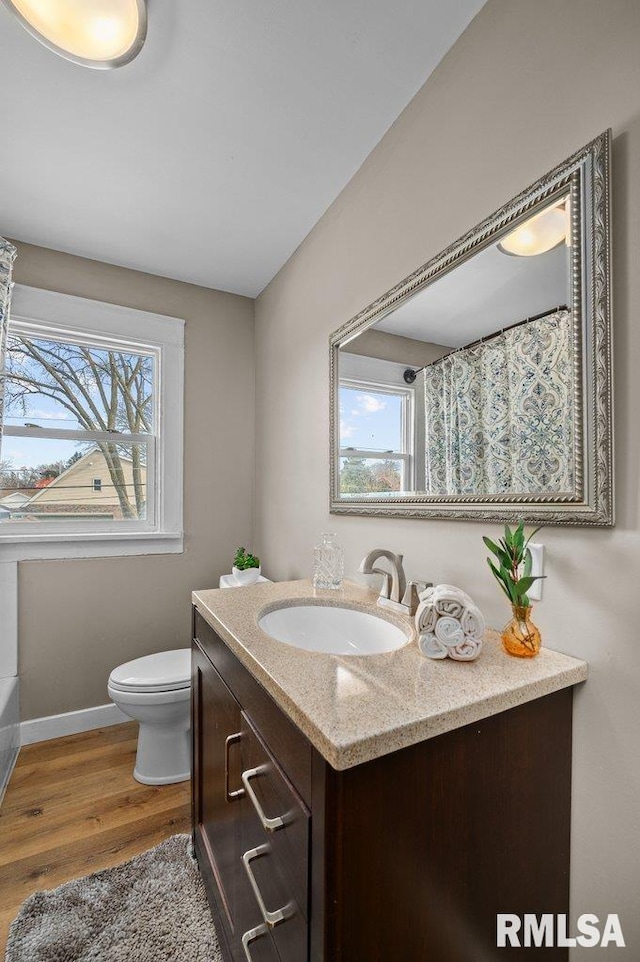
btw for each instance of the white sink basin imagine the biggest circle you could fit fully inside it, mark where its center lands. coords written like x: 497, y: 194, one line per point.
x: 333, y: 630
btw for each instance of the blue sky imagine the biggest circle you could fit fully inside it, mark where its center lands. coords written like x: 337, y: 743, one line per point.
x: 370, y: 420
x: 30, y: 452
x: 46, y: 412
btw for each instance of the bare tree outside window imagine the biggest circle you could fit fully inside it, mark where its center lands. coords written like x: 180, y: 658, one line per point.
x: 57, y: 384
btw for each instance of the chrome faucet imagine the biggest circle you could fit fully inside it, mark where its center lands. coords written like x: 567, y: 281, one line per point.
x: 395, y: 592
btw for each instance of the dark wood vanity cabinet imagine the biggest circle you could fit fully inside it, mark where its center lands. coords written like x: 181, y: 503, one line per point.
x: 251, y: 827
x: 406, y: 858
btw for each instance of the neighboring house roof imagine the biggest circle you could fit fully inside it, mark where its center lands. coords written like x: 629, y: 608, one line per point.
x: 75, y: 482
x: 44, y: 482
x: 16, y: 499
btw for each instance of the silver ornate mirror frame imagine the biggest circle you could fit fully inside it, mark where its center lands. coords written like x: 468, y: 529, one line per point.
x: 587, y: 175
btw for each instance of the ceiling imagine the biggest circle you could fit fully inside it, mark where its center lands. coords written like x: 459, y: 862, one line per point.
x: 482, y: 295
x: 212, y: 155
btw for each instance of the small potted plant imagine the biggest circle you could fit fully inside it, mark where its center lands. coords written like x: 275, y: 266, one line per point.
x: 246, y: 567
x: 513, y: 573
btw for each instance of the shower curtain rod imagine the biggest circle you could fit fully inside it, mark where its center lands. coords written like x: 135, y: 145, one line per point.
x: 410, y: 374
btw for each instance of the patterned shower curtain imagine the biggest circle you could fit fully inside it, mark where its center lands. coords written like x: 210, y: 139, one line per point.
x: 7, y: 257
x: 499, y: 415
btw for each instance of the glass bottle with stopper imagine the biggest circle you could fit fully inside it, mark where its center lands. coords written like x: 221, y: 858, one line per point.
x: 328, y: 563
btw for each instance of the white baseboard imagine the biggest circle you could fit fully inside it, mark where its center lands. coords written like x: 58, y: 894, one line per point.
x: 70, y: 723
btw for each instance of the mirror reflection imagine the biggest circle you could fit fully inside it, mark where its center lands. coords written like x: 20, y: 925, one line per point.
x: 469, y: 387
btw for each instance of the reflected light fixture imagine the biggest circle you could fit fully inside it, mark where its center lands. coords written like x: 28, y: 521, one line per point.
x: 539, y: 234
x: 95, y: 33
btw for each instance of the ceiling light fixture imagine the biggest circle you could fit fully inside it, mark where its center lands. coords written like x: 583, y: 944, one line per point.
x: 539, y: 234
x: 95, y: 33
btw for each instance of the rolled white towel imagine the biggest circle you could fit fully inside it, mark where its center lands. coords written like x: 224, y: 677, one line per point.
x: 451, y: 592
x: 468, y: 650
x: 426, y: 616
x: 431, y: 647
x: 441, y: 600
x: 447, y: 606
x: 449, y: 622
x: 472, y: 622
x: 450, y: 600
x: 449, y: 631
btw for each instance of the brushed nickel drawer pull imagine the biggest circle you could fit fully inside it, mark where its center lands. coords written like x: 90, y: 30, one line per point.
x: 268, y: 824
x: 239, y: 792
x: 250, y: 936
x: 271, y: 918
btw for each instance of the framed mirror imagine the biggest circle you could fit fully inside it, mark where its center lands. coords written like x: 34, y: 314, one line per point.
x: 480, y: 386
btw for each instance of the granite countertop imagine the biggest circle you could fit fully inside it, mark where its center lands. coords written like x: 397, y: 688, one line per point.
x: 355, y: 708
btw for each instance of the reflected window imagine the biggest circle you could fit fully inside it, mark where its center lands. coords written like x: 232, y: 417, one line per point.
x: 376, y: 439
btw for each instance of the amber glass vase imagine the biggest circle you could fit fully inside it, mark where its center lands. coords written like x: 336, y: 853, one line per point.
x: 520, y: 636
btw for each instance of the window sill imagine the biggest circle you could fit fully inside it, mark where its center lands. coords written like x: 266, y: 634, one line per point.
x: 97, y: 545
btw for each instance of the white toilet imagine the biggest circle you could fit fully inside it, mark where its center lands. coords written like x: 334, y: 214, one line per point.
x: 156, y: 691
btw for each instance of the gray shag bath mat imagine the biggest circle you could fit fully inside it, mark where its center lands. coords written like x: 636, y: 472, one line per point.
x: 151, y: 909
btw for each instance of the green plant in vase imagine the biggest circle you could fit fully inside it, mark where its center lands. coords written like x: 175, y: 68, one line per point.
x: 520, y: 636
x: 246, y: 567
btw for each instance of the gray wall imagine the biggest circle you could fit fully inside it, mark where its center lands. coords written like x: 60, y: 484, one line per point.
x: 78, y: 619
x: 396, y: 347
x: 526, y: 85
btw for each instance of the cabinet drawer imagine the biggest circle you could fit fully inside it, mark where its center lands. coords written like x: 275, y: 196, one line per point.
x: 274, y: 800
x: 284, y: 740
x: 275, y: 842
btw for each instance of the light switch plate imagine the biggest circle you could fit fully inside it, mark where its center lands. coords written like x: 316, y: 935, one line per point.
x: 537, y: 568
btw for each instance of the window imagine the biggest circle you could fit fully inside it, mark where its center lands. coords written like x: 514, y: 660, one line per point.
x: 71, y: 405
x: 92, y: 433
x: 376, y: 439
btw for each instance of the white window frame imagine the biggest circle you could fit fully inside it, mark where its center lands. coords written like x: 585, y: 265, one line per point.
x: 407, y: 455
x: 48, y: 314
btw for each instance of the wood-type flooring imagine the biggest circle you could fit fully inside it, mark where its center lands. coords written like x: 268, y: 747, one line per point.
x: 73, y: 807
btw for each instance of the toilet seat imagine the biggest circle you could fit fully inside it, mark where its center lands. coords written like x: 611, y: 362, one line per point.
x: 165, y: 671
x: 147, y: 698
